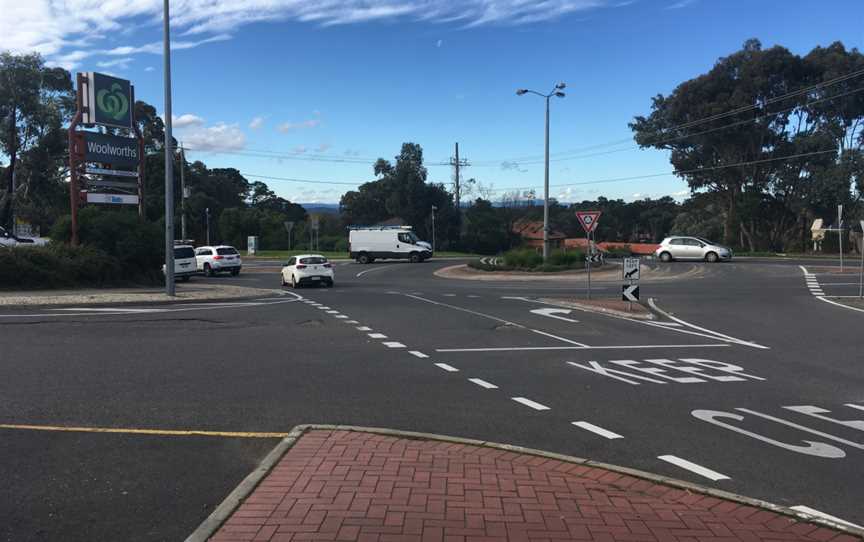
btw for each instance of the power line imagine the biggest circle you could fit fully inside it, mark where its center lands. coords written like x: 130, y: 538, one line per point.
x: 675, y: 172
x: 830, y: 82
x: 308, y: 181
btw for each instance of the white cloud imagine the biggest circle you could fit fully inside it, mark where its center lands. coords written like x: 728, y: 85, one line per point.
x: 323, y: 147
x: 680, y: 4
x: 256, y: 122
x: 439, y: 43
x: 51, y: 27
x: 299, y: 149
x: 512, y: 166
x: 219, y: 137
x: 309, y: 195
x: 121, y: 63
x: 286, y: 127
x: 186, y: 120
x: 149, y: 69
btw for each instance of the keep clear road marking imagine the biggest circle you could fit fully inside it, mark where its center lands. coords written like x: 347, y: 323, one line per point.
x: 597, y: 430
x: 531, y: 404
x: 693, y: 467
x: 377, y: 336
x: 554, y: 313
x: 393, y: 344
x: 483, y: 384
x: 816, y: 513
x: 417, y: 354
x: 448, y: 368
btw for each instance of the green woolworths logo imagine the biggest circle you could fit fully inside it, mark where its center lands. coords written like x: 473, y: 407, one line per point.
x: 113, y: 102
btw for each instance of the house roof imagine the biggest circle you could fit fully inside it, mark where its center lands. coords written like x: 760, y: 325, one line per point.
x: 533, y: 229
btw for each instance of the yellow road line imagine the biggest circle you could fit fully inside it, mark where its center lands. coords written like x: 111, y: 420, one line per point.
x: 158, y: 432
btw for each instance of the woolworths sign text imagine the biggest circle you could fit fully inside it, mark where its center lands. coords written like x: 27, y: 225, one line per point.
x: 106, y: 149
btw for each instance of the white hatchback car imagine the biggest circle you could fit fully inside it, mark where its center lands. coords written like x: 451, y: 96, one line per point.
x: 218, y: 259
x: 307, y: 269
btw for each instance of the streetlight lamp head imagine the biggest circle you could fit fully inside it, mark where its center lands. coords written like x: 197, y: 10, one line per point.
x: 561, y: 85
x: 521, y: 91
x: 560, y: 94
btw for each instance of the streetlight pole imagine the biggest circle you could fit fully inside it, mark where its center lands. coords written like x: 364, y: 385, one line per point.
x: 558, y: 94
x: 169, y: 157
x: 433, y: 228
x: 182, y: 194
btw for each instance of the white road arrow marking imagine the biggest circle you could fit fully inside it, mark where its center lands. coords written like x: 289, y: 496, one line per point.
x: 553, y: 313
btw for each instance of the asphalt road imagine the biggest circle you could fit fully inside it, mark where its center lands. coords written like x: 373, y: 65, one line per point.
x: 392, y: 345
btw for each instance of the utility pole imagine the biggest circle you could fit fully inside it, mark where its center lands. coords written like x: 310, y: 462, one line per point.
x: 183, y: 194
x: 458, y: 163
x: 169, y: 157
x: 207, y: 221
x: 434, y: 208
x: 840, y: 233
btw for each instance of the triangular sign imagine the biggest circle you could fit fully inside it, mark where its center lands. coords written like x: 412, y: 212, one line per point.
x: 588, y: 219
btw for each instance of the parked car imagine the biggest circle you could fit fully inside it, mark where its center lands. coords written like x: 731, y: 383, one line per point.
x: 218, y: 259
x: 692, y: 248
x: 185, y: 263
x: 307, y: 269
x: 366, y: 244
x: 7, y: 239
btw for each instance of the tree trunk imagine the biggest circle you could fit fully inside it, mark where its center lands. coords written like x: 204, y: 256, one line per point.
x: 730, y: 225
x: 748, y: 235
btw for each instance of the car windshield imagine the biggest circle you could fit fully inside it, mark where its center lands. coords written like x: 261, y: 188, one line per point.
x: 226, y: 251
x: 413, y: 237
x: 706, y: 241
x: 313, y: 260
x: 184, y: 252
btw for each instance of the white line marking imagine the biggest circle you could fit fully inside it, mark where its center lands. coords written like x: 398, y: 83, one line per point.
x: 693, y: 467
x: 669, y: 324
x: 364, y: 328
x: 332, y: 312
x: 813, y: 512
x: 350, y: 322
x: 377, y: 336
x: 529, y: 403
x: 472, y: 296
x: 562, y: 339
x: 340, y: 316
x: 392, y: 344
x: 448, y: 368
x: 449, y: 295
x: 802, y: 428
x: 598, y: 430
x: 361, y: 273
x: 454, y: 307
x: 483, y: 384
x: 323, y: 308
x: 418, y: 354
x: 116, y: 309
x: 826, y: 300
x: 625, y: 347
x: 715, y: 334
x: 859, y: 407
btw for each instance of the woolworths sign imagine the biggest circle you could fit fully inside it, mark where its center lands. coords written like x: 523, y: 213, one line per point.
x: 108, y: 101
x: 107, y: 149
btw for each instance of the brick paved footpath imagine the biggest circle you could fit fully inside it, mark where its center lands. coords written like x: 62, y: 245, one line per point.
x: 341, y: 485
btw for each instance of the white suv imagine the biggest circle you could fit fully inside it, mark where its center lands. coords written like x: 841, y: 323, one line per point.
x: 218, y: 259
x: 307, y: 269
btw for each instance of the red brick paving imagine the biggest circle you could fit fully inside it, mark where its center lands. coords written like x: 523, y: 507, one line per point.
x: 341, y: 485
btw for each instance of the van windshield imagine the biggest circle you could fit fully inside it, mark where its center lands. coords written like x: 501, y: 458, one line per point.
x: 184, y: 252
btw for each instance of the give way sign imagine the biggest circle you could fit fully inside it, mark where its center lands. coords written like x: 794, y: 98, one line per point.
x: 588, y: 219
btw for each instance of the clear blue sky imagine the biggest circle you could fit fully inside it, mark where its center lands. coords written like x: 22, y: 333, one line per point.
x: 434, y: 73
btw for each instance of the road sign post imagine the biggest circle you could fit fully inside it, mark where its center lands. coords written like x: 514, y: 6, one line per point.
x: 861, y: 272
x: 631, y: 271
x: 589, y: 220
x: 840, y: 233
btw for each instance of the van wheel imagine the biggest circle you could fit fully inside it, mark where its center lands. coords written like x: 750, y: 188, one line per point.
x: 711, y: 257
x: 665, y: 257
x: 415, y: 257
x: 364, y: 259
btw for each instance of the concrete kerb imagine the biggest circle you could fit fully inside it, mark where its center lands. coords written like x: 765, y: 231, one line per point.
x: 238, y: 293
x: 219, y: 516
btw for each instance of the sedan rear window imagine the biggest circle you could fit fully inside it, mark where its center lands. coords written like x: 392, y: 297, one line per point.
x: 184, y: 252
x: 226, y: 251
x: 313, y: 261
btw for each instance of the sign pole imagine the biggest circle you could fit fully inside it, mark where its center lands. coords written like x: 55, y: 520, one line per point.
x: 840, y: 233
x: 861, y: 272
x: 590, y: 256
x: 169, y: 158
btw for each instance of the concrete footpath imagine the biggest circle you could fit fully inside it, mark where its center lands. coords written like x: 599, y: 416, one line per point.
x: 185, y: 292
x: 333, y: 483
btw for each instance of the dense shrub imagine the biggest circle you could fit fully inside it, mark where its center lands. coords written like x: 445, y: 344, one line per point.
x: 58, y: 266
x: 137, y: 245
x: 573, y: 258
x: 524, y: 258
x: 619, y: 252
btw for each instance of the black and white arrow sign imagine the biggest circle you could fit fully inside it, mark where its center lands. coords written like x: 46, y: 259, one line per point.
x: 630, y: 292
x: 597, y: 257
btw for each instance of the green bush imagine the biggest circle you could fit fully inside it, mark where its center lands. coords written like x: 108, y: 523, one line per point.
x: 136, y: 245
x: 58, y: 266
x: 573, y: 258
x: 524, y: 258
x: 619, y: 252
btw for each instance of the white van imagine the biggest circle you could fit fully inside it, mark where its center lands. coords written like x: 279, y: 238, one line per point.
x: 367, y: 244
x: 184, y: 263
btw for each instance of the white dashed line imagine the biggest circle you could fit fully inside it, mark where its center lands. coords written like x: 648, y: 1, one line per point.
x: 393, y: 345
x: 448, y: 368
x: 332, y: 312
x: 418, y: 354
x: 364, y: 328
x: 473, y: 296
x: 813, y: 512
x: 449, y: 295
x: 597, y: 430
x: 693, y: 467
x: 351, y: 322
x: 529, y: 403
x: 859, y: 407
x: 483, y: 383
x: 323, y: 308
x: 377, y: 336
x: 340, y: 316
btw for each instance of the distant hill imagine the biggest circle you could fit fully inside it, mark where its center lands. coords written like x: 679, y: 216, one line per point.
x: 331, y: 208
